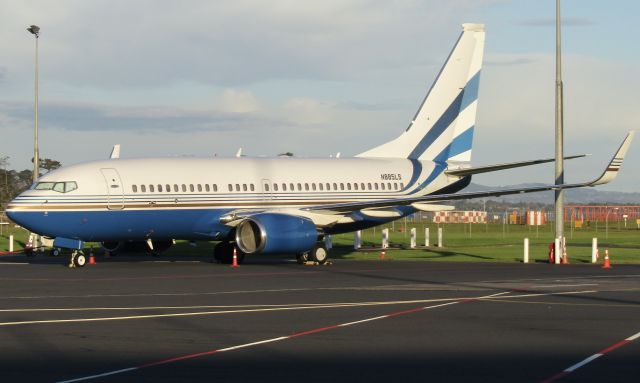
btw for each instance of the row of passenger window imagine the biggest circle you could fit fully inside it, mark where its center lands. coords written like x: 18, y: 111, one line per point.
x: 268, y: 187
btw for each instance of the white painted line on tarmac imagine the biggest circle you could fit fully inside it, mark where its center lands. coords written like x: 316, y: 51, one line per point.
x: 245, y: 308
x: 590, y: 359
x: 278, y: 339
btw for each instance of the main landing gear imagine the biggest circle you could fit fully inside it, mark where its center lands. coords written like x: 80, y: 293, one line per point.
x: 223, y: 253
x: 318, y: 254
x: 77, y: 259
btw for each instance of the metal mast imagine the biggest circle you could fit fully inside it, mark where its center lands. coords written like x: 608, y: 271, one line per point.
x: 559, y: 194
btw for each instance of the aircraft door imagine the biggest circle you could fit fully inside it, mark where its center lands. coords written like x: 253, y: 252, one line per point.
x: 115, y: 190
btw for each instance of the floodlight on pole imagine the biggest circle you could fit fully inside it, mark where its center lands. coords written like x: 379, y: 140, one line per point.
x: 35, y: 30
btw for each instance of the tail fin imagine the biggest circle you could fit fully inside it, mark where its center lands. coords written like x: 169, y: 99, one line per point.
x: 442, y: 129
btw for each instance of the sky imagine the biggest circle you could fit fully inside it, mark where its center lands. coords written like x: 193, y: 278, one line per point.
x: 202, y: 78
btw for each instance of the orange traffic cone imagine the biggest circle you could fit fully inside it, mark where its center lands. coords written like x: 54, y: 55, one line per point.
x: 92, y: 259
x: 607, y: 263
x: 382, y: 255
x: 235, y: 258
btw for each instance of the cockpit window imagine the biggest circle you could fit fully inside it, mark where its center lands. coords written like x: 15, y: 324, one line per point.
x: 60, y: 187
x: 44, y: 185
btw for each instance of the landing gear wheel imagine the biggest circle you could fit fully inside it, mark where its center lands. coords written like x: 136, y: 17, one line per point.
x: 77, y: 259
x: 302, y: 258
x: 319, y: 254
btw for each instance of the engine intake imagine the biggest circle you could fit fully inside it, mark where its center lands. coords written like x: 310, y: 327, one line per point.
x: 276, y: 233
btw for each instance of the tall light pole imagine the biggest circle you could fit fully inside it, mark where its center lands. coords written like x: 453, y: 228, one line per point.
x: 35, y: 30
x: 559, y: 194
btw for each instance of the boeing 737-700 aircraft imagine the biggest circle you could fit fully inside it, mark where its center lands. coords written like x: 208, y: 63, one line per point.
x: 278, y: 205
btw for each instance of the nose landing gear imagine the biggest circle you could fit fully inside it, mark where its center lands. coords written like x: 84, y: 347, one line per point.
x: 77, y: 259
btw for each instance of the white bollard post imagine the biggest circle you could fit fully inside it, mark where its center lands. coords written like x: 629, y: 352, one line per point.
x: 594, y: 250
x: 11, y: 243
x: 426, y: 237
x: 556, y: 251
x: 385, y: 238
x: 413, y: 238
x: 357, y: 240
x: 439, y: 237
x: 328, y: 242
x: 526, y: 251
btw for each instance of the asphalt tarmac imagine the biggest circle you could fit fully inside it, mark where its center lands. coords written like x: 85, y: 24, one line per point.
x: 167, y: 320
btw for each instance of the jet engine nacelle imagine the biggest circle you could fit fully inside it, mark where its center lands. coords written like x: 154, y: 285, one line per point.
x: 136, y: 246
x: 276, y: 233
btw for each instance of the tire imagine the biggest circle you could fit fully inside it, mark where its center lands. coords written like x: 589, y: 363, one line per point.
x: 80, y: 260
x: 319, y: 254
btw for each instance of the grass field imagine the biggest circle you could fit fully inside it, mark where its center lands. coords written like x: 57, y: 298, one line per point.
x: 462, y: 242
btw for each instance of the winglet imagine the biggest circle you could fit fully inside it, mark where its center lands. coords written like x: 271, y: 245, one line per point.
x: 115, y: 152
x: 612, y: 169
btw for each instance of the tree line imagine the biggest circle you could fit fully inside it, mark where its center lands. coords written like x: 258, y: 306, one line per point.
x: 14, y: 182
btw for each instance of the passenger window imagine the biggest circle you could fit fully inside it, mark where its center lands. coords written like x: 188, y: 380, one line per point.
x: 284, y: 187
x: 275, y: 187
x: 388, y: 185
x: 341, y: 186
x: 382, y: 185
x: 160, y: 188
x: 184, y: 188
x: 395, y: 185
x: 151, y: 189
x: 348, y: 185
x: 291, y: 187
x: 369, y: 186
x: 206, y: 188
x: 253, y: 188
x: 328, y: 185
x: 375, y: 185
x: 362, y: 186
x: 215, y: 187
x: 230, y: 187
x: 134, y: 188
x: 299, y: 187
x: 237, y: 187
x: 320, y: 186
x: 355, y: 186
x: 244, y: 187
x: 313, y: 186
x: 401, y: 185
x: 175, y: 188
x: 335, y: 186
x: 191, y: 188
x: 199, y: 187
x: 143, y: 188
x: 168, y: 188
x: 266, y: 187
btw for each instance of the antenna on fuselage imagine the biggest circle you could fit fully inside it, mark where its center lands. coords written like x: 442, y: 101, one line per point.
x: 115, y: 152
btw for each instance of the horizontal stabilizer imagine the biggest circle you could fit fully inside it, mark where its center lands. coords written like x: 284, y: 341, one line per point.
x: 492, y: 168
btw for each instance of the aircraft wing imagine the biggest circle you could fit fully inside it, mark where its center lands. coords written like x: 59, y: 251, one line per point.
x: 607, y: 176
x: 492, y: 168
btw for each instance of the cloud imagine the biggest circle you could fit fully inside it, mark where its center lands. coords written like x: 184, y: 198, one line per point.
x: 238, y: 101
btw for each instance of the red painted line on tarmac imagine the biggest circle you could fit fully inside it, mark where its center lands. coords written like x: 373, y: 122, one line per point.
x: 278, y: 339
x: 298, y: 334
x: 591, y: 358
